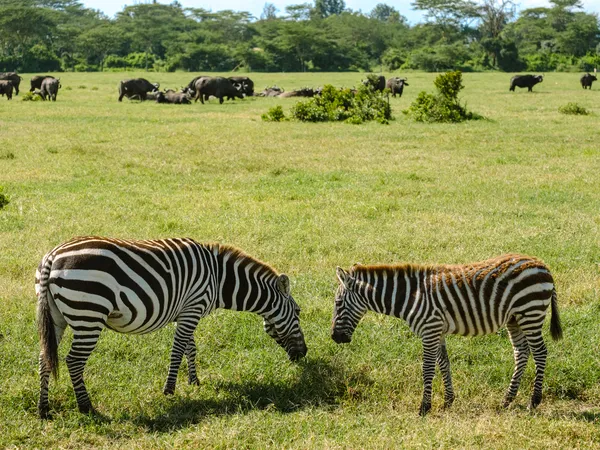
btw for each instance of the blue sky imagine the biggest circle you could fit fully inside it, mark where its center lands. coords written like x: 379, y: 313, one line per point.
x: 111, y: 7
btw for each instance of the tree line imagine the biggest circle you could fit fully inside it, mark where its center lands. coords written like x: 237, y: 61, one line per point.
x: 63, y: 35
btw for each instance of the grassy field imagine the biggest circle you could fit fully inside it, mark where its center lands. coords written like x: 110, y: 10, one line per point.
x: 305, y: 198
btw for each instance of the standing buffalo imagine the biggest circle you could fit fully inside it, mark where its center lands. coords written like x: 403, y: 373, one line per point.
x: 243, y: 84
x: 528, y: 81
x: 377, y: 82
x: 6, y: 87
x: 217, y: 87
x: 396, y: 85
x: 170, y: 96
x: 191, y: 86
x: 36, y: 82
x: 587, y: 80
x: 13, y: 78
x: 136, y: 87
x: 49, y: 88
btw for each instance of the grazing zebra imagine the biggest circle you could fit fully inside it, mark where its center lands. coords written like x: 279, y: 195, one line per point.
x: 92, y: 283
x: 470, y: 300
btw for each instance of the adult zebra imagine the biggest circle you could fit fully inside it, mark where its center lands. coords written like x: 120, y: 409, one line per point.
x: 92, y: 283
x: 473, y: 299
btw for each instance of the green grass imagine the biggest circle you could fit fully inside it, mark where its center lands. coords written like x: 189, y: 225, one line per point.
x: 304, y: 198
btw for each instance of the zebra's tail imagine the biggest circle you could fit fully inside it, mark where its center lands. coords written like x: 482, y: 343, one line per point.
x: 555, y: 327
x: 45, y: 323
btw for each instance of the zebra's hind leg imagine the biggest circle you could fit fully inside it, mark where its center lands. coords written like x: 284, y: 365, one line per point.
x: 444, y: 365
x: 190, y: 353
x: 84, y: 342
x: 431, y: 348
x: 43, y: 405
x: 186, y: 324
x: 521, y: 354
x: 539, y: 352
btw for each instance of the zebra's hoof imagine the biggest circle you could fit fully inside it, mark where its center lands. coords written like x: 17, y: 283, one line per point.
x: 169, y: 390
x: 425, y: 407
x: 448, y: 402
x: 507, y: 401
x: 44, y: 412
x: 535, y: 401
x: 87, y: 409
x: 194, y: 382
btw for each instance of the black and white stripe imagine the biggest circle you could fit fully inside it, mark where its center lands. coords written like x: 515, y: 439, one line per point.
x: 137, y: 287
x: 512, y: 291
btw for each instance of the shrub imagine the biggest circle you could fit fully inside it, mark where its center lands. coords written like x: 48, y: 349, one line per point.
x: 443, y: 106
x: 334, y: 104
x: 31, y: 97
x: 573, y: 109
x: 4, y: 199
x: 274, y: 114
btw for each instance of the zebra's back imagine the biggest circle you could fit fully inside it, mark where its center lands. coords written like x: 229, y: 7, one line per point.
x: 482, y: 297
x: 130, y: 286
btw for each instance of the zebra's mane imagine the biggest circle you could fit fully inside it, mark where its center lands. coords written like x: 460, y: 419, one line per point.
x: 358, y: 270
x: 224, y: 249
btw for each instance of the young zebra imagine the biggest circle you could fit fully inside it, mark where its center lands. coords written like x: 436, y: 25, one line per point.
x: 92, y: 283
x: 470, y: 300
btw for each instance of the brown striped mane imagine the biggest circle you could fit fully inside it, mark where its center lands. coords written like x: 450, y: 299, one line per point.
x: 235, y: 252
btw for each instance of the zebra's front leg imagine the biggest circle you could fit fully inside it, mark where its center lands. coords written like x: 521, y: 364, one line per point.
x: 431, y: 348
x: 190, y: 353
x: 521, y: 354
x: 186, y: 324
x: 82, y: 347
x: 444, y: 365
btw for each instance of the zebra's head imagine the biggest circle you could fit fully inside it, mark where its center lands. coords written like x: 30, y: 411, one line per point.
x: 283, y: 322
x: 350, y: 307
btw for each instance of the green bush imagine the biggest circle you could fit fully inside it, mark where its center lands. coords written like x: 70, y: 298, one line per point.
x: 573, y: 109
x: 443, y: 106
x: 4, y: 199
x: 274, y: 114
x: 31, y: 97
x: 347, y: 105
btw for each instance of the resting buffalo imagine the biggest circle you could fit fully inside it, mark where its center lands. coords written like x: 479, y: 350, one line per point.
x: 217, y: 87
x: 378, y: 84
x: 136, y: 87
x: 396, y: 85
x: 243, y: 84
x: 6, y: 87
x: 303, y: 92
x: 170, y: 96
x: 13, y: 78
x: 49, y: 88
x: 587, y: 80
x: 528, y: 81
x: 272, y: 91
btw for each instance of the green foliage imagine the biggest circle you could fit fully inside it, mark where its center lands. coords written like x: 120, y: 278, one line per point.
x: 275, y: 114
x: 4, y: 199
x: 445, y: 105
x: 362, y: 105
x: 30, y: 97
x: 573, y: 109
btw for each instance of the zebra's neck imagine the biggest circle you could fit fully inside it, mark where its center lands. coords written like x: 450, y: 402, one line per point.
x: 391, y: 290
x: 244, y: 283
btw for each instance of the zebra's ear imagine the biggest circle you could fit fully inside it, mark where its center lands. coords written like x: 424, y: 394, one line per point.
x: 283, y: 284
x: 344, y: 277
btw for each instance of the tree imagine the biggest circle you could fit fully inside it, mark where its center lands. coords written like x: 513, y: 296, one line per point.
x: 447, y: 12
x: 299, y: 12
x: 386, y: 13
x: 326, y: 8
x: 269, y: 12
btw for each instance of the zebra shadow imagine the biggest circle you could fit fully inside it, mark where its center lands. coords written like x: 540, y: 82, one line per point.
x: 319, y: 383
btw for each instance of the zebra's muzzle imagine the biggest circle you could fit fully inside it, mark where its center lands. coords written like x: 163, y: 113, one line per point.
x: 297, y: 353
x: 340, y: 337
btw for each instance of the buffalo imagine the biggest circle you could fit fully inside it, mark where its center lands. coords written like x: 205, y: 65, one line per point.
x: 191, y: 86
x: 302, y: 92
x: 170, y: 96
x: 243, y: 84
x: 587, y: 80
x: 6, y: 88
x: 136, y: 87
x: 396, y: 85
x: 13, y: 77
x: 218, y: 87
x: 36, y: 82
x: 528, y: 81
x: 49, y: 88
x: 273, y: 91
x: 377, y: 84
